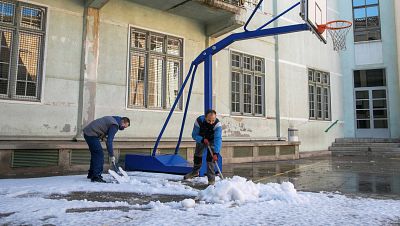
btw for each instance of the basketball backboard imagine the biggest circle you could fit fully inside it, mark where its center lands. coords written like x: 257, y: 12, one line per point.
x: 314, y: 12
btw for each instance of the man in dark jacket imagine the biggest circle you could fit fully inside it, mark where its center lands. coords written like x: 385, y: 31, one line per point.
x: 99, y: 129
x: 207, y: 132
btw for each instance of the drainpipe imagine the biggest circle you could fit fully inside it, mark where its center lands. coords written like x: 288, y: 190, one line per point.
x: 277, y: 89
x: 397, y: 16
x: 397, y: 22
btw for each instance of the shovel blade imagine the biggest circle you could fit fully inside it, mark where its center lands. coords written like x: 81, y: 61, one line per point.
x: 116, y: 169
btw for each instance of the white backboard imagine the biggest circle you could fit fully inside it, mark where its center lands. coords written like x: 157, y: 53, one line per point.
x: 314, y: 12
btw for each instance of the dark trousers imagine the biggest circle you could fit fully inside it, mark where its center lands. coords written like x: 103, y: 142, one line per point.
x: 96, y: 156
x: 198, y: 159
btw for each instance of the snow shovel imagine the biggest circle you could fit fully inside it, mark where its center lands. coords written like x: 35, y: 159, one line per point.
x: 216, y: 164
x: 116, y: 169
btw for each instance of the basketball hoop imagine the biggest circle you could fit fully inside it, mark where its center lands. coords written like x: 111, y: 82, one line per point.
x: 338, y: 30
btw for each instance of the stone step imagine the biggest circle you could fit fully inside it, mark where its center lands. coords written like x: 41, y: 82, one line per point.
x: 366, y: 140
x: 389, y: 145
x: 364, y: 149
x: 374, y: 154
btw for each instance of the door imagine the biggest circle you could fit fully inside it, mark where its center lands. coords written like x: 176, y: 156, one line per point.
x: 371, y: 113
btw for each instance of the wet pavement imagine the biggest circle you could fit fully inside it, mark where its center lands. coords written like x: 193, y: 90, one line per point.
x: 353, y: 176
x: 359, y: 176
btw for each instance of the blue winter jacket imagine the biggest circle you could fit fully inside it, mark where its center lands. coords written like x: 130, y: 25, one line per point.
x: 213, y: 132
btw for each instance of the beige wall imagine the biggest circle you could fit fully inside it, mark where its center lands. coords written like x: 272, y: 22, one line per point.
x: 56, y: 115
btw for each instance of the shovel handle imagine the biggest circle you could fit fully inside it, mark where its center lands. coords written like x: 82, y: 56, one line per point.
x: 216, y: 164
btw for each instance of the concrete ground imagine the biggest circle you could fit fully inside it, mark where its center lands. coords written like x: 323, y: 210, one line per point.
x: 53, y: 200
x: 353, y: 176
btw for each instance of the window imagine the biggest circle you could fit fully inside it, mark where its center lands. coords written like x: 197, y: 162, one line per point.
x: 155, y: 69
x: 319, y: 95
x: 247, y: 87
x: 22, y: 30
x: 367, y: 25
x: 371, y: 99
x: 369, y: 78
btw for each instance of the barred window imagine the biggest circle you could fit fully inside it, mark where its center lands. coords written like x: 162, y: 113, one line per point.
x: 22, y: 29
x: 155, y: 73
x: 247, y: 84
x: 366, y: 17
x: 319, y: 95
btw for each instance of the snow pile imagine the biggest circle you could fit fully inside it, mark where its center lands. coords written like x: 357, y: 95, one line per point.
x: 282, y: 192
x: 236, y: 189
x: 241, y: 190
x: 188, y: 203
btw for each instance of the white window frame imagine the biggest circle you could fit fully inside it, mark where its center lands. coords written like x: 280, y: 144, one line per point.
x: 316, y: 83
x: 147, y: 52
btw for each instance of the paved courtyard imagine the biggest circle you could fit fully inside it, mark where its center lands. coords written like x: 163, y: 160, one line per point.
x: 318, y: 191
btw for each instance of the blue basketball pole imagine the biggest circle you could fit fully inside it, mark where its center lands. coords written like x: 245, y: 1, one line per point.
x: 175, y: 163
x: 208, y: 83
x: 186, y: 110
x: 173, y: 108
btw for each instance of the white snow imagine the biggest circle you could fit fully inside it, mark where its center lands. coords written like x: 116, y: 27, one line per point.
x: 234, y: 201
x: 236, y: 189
x: 188, y: 203
x: 120, y: 179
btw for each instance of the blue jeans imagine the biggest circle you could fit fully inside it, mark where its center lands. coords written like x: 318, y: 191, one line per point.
x: 96, y: 156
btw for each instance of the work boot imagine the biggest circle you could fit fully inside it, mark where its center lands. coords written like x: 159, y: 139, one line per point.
x: 191, y: 175
x: 211, y: 181
x: 98, y: 179
x: 89, y: 176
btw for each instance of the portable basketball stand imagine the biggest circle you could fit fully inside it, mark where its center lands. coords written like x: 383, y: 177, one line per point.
x: 174, y: 163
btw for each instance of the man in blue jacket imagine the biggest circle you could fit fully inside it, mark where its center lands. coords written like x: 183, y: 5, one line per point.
x: 105, y: 127
x: 207, y: 132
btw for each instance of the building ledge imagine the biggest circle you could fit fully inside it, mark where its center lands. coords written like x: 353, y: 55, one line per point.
x: 218, y: 16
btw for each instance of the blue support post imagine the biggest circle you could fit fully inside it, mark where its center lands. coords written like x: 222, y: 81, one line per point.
x: 172, y: 109
x: 208, y: 83
x: 175, y: 163
x: 185, y: 112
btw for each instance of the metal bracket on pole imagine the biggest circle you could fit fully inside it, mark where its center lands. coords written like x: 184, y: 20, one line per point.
x: 269, y: 22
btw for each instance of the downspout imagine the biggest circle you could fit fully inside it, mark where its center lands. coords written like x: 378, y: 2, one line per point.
x: 277, y: 89
x: 397, y: 21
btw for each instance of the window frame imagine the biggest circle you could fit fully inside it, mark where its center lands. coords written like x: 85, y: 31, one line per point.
x: 366, y: 29
x: 17, y: 28
x: 241, y: 71
x: 148, y: 53
x: 315, y: 84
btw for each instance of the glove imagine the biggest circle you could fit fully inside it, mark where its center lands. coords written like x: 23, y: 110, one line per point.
x: 206, y: 142
x: 215, y: 157
x: 112, y: 159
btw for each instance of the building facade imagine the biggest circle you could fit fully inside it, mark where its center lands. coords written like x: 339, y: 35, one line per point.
x: 370, y: 69
x: 65, y: 63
